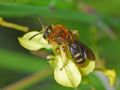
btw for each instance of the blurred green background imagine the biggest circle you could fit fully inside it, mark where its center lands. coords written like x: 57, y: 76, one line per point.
x: 98, y: 23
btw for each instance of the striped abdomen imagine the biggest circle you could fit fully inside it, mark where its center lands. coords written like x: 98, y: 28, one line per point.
x: 80, y: 52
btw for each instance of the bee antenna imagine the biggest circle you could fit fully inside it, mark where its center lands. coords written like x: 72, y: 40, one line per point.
x: 40, y: 31
x: 34, y: 36
x: 40, y: 21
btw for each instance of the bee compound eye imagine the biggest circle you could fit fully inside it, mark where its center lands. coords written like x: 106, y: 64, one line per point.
x: 44, y: 36
x: 47, y: 32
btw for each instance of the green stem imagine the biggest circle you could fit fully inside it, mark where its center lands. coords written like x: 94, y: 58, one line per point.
x: 28, y: 81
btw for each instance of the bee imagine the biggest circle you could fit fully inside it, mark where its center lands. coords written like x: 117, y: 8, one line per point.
x: 62, y: 36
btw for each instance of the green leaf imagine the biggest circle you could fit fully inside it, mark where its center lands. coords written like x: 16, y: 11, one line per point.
x: 16, y: 1
x: 17, y: 10
x: 13, y: 60
x: 7, y: 1
x: 105, y: 6
x: 96, y: 82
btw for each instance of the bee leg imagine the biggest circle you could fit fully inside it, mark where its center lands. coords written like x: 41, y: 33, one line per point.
x: 64, y: 64
x: 51, y: 59
x: 64, y: 57
x: 74, y: 32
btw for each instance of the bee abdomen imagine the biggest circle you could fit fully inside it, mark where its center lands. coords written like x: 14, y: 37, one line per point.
x: 78, y: 58
x: 76, y: 53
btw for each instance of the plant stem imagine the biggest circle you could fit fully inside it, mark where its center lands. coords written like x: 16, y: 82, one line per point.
x: 28, y: 81
x: 13, y: 25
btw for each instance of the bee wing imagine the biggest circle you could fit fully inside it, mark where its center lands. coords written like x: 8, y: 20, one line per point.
x: 84, y: 49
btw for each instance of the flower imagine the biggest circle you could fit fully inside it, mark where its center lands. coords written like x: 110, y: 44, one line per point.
x: 111, y: 75
x: 69, y: 74
x: 36, y: 43
x: 66, y: 71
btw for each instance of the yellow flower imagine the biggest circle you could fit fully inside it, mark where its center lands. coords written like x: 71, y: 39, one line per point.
x: 36, y: 43
x: 69, y: 74
x: 111, y: 74
x: 88, y: 68
x: 66, y: 71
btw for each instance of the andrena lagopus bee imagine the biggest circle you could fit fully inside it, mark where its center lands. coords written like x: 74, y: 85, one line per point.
x: 62, y: 36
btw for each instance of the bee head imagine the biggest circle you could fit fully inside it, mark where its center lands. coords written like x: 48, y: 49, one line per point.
x: 47, y: 32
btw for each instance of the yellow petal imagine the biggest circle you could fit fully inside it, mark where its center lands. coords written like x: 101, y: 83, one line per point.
x: 89, y: 67
x: 35, y: 43
x: 111, y: 74
x: 67, y: 76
